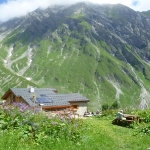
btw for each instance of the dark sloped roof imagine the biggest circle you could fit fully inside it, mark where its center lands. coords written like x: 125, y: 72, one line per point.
x: 28, y: 96
x: 47, y: 96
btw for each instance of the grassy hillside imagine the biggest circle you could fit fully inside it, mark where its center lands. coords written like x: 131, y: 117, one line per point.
x: 11, y: 80
x: 76, y: 63
x: 84, y: 49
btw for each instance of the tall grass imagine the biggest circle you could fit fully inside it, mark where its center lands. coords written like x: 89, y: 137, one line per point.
x: 23, y: 129
x: 21, y: 125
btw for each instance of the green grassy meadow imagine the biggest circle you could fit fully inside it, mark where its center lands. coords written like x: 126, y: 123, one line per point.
x: 93, y: 133
x: 100, y: 135
x: 105, y: 136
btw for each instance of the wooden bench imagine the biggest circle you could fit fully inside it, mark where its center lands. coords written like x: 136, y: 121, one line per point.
x: 139, y: 120
x: 128, y: 121
x: 122, y: 122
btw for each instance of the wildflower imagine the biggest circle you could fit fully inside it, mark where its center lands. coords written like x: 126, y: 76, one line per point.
x: 26, y: 121
x: 62, y: 118
x: 6, y: 108
x: 21, y: 110
x: 37, y: 110
x: 54, y: 123
x: 70, y: 116
x: 21, y: 106
x: 50, y: 117
x: 69, y: 120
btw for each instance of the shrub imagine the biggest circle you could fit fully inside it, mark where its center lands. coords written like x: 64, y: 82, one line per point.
x: 145, y: 115
x: 105, y: 107
x: 146, y: 130
x: 115, y: 105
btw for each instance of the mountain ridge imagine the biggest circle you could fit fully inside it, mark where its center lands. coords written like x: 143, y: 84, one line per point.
x: 101, y: 51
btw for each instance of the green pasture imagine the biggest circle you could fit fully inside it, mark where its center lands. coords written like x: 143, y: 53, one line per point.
x: 91, y: 133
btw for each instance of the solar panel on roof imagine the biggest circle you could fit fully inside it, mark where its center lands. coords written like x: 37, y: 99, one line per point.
x: 43, y: 95
x: 43, y: 100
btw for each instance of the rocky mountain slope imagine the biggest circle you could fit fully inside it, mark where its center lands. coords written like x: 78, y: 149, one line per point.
x: 101, y: 51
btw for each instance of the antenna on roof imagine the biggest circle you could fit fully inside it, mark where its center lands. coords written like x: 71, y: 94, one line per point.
x: 34, y: 98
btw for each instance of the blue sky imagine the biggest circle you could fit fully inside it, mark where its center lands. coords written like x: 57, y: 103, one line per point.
x: 2, y: 1
x: 17, y: 8
x: 135, y: 3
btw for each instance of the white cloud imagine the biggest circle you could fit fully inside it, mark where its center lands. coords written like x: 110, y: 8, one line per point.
x: 143, y: 5
x: 17, y: 8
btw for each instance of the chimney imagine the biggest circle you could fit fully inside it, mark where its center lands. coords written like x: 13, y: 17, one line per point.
x: 31, y: 89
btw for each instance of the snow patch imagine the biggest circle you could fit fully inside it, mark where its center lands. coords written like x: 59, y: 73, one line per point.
x: 98, y: 93
x: 145, y: 95
x: 99, y: 23
x: 117, y: 87
x: 28, y: 78
x: 62, y: 49
x: 49, y: 50
x: 7, y: 60
x: 58, y: 36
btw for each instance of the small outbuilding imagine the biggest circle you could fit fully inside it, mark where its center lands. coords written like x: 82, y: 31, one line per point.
x: 47, y: 98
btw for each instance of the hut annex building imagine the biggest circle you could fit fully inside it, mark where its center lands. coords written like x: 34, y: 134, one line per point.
x: 47, y: 98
